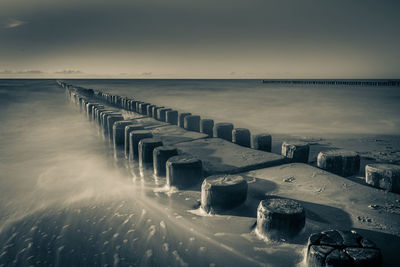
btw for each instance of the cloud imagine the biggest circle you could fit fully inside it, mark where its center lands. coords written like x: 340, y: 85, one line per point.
x: 30, y: 72
x: 21, y: 72
x: 13, y: 23
x: 147, y: 73
x: 69, y: 72
x: 6, y: 72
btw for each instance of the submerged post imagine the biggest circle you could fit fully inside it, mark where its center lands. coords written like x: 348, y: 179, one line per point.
x: 172, y: 117
x: 160, y: 156
x: 181, y: 119
x: 128, y: 130
x: 206, y: 127
x: 146, y: 147
x: 223, y: 130
x: 134, y: 139
x: 192, y: 123
x: 183, y: 171
x: 296, y: 151
x: 262, y: 142
x: 241, y: 136
x: 340, y: 162
x: 223, y: 192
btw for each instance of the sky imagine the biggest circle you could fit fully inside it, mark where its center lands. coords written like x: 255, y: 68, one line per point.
x: 199, y: 39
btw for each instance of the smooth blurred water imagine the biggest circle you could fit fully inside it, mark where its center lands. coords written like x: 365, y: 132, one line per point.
x: 66, y: 200
x: 278, y: 109
x: 365, y: 119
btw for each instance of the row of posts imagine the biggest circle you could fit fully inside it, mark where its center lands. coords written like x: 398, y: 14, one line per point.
x: 336, y: 82
x: 343, y: 162
x: 277, y: 218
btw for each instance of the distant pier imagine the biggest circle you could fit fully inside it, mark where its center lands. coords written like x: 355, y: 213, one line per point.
x: 350, y: 82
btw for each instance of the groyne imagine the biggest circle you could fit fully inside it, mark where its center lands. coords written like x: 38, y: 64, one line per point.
x: 189, y: 133
x: 220, y: 146
x: 188, y: 150
x: 341, y: 82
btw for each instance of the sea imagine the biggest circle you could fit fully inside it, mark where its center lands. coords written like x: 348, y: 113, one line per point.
x: 66, y: 200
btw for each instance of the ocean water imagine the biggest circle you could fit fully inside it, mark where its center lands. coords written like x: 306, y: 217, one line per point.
x: 277, y: 109
x: 66, y: 200
x: 365, y: 119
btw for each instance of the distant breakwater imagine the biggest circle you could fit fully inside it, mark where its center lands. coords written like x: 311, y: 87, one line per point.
x: 347, y: 82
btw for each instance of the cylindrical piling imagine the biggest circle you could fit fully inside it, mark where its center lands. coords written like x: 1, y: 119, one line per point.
x: 340, y: 162
x: 181, y: 119
x: 223, y: 192
x: 119, y: 132
x: 130, y: 105
x: 118, y: 101
x: 150, y: 110
x: 341, y: 248
x: 172, y: 117
x: 183, y: 171
x: 206, y: 127
x: 110, y: 123
x: 134, y: 139
x: 99, y: 116
x: 296, y: 151
x: 103, y: 116
x: 160, y: 156
x: 280, y: 218
x: 161, y: 114
x: 83, y: 106
x: 128, y: 130
x: 94, y: 109
x: 241, y: 136
x: 223, y: 130
x: 192, y: 123
x: 143, y: 108
x: 123, y: 102
x: 89, y: 109
x: 262, y: 142
x: 105, y: 120
x: 137, y: 106
x: 146, y: 147
x: 140, y: 108
x: 385, y: 176
x: 79, y: 102
x: 155, y: 111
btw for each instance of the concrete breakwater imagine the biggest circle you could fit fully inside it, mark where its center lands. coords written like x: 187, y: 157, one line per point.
x: 192, y: 155
x: 221, y: 147
x: 220, y: 154
x: 348, y: 82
